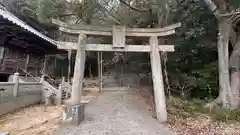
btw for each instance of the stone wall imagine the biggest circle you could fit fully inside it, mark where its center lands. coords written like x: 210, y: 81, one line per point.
x: 12, y: 97
x: 18, y: 102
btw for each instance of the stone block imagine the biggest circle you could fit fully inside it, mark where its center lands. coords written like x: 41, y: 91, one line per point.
x: 49, y: 99
x: 74, y: 114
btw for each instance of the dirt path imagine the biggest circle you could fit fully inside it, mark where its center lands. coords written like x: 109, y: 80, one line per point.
x: 117, y: 113
x: 32, y: 120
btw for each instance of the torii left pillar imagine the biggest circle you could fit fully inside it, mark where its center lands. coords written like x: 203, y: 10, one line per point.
x: 75, y: 112
x: 157, y: 78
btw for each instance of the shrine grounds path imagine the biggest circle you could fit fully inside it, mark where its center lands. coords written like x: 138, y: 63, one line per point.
x: 117, y: 113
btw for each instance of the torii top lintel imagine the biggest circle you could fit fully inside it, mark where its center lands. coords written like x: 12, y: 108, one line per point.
x: 108, y: 31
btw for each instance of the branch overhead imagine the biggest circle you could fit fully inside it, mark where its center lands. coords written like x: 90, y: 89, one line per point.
x: 133, y: 8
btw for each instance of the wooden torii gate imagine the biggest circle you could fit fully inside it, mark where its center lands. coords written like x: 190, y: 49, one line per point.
x: 119, y: 34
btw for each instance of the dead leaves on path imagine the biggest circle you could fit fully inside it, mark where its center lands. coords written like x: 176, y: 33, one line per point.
x: 32, y: 120
x: 200, y: 125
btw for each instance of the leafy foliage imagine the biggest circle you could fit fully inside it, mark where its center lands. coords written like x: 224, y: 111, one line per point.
x: 37, y: 13
x: 193, y: 66
x: 234, y: 3
x: 193, y: 108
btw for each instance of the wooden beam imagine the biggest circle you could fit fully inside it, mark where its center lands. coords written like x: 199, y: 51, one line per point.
x: 154, y: 30
x: 109, y: 33
x: 158, y: 86
x: 128, y: 48
x: 77, y: 85
x: 109, y: 47
x: 109, y: 28
x: 69, y: 64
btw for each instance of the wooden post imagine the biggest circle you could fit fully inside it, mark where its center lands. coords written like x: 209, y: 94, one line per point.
x: 2, y: 52
x: 59, y: 96
x: 78, y: 76
x: 44, y: 92
x: 2, y: 58
x: 63, y: 80
x: 16, y: 85
x: 27, y: 61
x: 44, y: 65
x: 99, y: 77
x: 119, y: 35
x: 100, y: 70
x: 42, y: 79
x: 159, y: 95
x: 55, y: 65
x: 69, y: 65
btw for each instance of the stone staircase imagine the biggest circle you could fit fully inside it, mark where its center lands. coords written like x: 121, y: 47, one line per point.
x: 55, y: 91
x: 66, y: 92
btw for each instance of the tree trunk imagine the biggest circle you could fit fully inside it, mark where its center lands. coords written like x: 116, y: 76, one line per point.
x: 223, y: 57
x: 229, y: 95
x: 235, y: 86
x: 235, y: 75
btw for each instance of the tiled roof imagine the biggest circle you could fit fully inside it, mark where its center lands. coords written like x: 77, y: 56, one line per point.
x: 10, y: 17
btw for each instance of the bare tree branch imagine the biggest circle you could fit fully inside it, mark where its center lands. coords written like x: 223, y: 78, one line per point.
x: 211, y: 5
x: 65, y: 15
x: 133, y: 8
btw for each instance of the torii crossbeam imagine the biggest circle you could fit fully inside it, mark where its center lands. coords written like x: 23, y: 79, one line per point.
x: 118, y: 33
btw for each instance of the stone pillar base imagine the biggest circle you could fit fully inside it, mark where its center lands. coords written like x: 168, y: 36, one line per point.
x: 49, y: 100
x: 73, y: 114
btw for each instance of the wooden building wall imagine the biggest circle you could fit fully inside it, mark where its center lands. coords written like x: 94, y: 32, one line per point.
x: 17, y: 59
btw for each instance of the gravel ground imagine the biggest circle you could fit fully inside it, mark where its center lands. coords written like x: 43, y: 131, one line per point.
x: 117, y: 113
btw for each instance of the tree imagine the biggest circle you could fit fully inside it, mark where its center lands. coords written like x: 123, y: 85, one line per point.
x: 229, y: 84
x: 37, y: 13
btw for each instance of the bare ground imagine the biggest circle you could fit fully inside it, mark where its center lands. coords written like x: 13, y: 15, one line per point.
x: 32, y: 120
x: 37, y: 119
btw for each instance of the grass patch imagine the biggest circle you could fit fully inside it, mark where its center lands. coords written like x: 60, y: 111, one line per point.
x: 192, y: 108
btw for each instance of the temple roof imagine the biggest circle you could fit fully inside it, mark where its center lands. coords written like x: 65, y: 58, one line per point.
x: 16, y: 32
x: 10, y: 17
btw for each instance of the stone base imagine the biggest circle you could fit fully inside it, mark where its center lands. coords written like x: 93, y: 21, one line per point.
x: 74, y: 114
x: 4, y: 133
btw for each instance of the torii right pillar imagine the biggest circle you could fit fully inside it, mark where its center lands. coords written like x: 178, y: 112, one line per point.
x: 158, y: 86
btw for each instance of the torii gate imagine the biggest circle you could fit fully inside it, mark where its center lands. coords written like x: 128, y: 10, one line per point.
x: 119, y: 34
